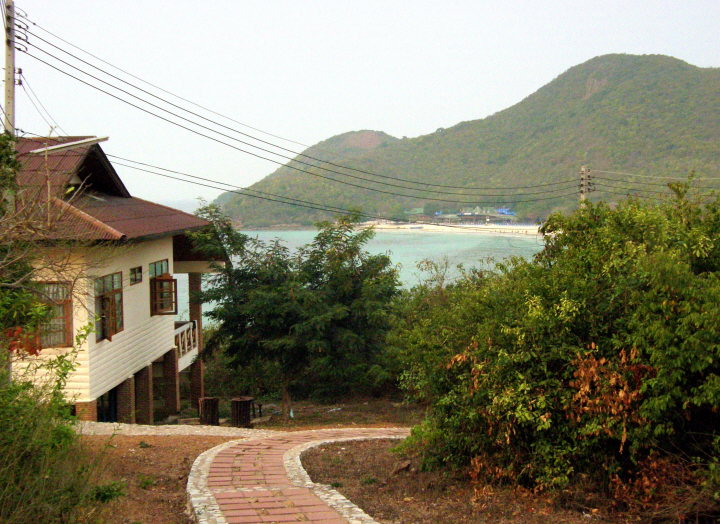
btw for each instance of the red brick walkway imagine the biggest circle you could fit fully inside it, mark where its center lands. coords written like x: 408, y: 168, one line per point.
x: 250, y: 483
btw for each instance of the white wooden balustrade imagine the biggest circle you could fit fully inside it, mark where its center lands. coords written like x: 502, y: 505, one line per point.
x: 186, y: 341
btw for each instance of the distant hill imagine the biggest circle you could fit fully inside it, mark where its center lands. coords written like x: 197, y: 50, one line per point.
x: 650, y: 114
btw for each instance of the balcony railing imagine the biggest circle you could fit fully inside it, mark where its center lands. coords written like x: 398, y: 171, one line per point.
x: 186, y: 337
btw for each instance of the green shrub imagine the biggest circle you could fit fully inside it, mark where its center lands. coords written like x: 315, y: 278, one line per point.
x: 599, y: 359
x: 110, y: 491
x: 47, y: 474
x: 146, y: 481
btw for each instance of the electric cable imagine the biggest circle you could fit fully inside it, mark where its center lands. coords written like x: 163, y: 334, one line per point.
x: 154, y: 85
x: 595, y: 177
x: 225, y: 135
x: 235, y: 189
x: 37, y: 109
x: 639, y: 190
x: 416, y: 197
x: 37, y: 98
x: 246, y: 134
x: 344, y: 210
x: 295, y: 202
x: 623, y: 173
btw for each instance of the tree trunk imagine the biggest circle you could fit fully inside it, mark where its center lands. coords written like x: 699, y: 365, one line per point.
x: 286, y: 406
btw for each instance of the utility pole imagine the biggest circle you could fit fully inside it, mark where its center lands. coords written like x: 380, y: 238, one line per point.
x: 585, y: 185
x: 10, y: 66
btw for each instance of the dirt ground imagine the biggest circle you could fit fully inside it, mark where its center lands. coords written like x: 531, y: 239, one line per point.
x: 393, y: 491
x: 366, y: 413
x: 154, y: 471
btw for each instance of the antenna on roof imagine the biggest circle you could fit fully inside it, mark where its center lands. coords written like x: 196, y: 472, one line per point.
x: 68, y: 145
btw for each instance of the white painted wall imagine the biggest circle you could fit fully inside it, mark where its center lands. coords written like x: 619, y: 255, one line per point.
x: 144, y: 338
x: 100, y: 366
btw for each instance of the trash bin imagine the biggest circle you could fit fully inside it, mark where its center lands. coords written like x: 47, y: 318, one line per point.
x: 240, y: 408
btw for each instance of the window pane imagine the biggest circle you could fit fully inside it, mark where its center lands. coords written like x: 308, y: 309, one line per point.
x: 116, y: 280
x: 118, y: 312
x: 100, y: 313
x: 56, y: 292
x: 99, y: 288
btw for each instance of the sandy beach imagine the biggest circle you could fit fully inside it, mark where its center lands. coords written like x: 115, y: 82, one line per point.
x: 520, y: 229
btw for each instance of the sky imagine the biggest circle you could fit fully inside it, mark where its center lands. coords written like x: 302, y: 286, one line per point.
x: 306, y: 70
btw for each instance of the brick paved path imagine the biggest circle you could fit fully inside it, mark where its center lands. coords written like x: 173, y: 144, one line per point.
x: 261, y: 480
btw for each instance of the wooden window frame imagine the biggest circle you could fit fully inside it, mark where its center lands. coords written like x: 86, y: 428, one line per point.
x: 105, y: 309
x: 136, y: 275
x: 163, y: 295
x: 153, y: 268
x: 67, y: 315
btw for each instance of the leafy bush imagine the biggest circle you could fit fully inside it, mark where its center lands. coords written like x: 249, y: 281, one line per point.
x: 47, y: 475
x: 600, y: 359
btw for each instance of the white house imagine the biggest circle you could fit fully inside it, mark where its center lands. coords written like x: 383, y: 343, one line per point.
x: 119, y: 254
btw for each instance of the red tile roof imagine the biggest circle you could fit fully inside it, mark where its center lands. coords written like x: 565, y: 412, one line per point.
x: 104, y: 210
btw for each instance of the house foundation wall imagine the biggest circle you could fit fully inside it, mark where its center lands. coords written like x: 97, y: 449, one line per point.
x: 171, y: 379
x: 144, y: 405
x: 126, y: 401
x: 86, y: 411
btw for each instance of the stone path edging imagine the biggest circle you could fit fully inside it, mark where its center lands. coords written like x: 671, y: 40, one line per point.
x: 202, y: 506
x: 245, y: 489
x: 116, y: 428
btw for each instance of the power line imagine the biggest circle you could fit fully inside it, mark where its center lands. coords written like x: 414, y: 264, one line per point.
x: 623, y: 173
x: 32, y: 91
x: 647, y: 183
x: 36, y: 107
x: 156, y: 86
x: 416, y: 197
x: 261, y: 140
x: 638, y: 190
x: 288, y: 157
x: 269, y: 196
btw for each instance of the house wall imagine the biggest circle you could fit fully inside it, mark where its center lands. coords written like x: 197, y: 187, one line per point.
x: 100, y: 366
x: 144, y: 338
x: 65, y: 265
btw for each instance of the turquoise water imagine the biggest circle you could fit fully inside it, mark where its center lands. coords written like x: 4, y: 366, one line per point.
x: 407, y: 248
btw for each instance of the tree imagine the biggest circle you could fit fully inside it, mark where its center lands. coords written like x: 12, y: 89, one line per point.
x: 21, y: 311
x: 320, y: 314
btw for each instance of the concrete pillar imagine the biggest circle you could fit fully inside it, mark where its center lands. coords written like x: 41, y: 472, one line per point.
x: 126, y: 401
x: 171, y: 382
x: 144, y: 406
x: 197, y: 369
x: 86, y: 411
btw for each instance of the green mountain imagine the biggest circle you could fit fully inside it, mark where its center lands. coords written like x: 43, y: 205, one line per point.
x: 650, y: 115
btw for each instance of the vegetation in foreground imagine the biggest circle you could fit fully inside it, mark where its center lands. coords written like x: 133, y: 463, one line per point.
x: 593, y: 368
x: 46, y: 474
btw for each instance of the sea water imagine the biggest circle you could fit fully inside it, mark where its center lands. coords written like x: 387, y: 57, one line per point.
x: 408, y: 248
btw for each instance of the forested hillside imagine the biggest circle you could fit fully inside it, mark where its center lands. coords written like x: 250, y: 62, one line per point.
x: 649, y: 115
